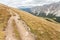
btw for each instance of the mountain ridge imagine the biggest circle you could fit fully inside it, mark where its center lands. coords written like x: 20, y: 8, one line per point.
x: 50, y: 8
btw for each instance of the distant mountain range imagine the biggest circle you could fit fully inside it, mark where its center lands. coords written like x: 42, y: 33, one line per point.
x: 53, y: 8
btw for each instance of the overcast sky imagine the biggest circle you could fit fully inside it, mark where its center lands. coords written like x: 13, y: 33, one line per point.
x: 26, y: 3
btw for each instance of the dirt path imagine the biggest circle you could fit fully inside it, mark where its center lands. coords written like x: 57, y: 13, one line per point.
x: 22, y: 28
x: 25, y: 35
x: 10, y: 31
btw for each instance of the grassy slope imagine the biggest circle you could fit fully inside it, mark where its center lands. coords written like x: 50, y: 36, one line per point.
x: 43, y: 30
x: 4, y: 16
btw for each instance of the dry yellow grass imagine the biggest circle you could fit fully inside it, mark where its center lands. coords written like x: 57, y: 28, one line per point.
x: 43, y: 29
x: 4, y: 16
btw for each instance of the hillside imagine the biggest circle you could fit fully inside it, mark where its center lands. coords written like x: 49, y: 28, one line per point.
x: 25, y: 26
x: 43, y: 30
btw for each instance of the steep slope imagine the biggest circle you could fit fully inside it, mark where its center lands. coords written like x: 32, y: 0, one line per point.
x: 25, y: 26
x: 43, y: 30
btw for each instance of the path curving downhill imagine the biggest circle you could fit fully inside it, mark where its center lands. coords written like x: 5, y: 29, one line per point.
x: 10, y: 31
x: 21, y: 27
x: 24, y: 33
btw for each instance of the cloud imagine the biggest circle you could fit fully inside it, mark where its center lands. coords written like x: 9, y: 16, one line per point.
x: 26, y: 3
